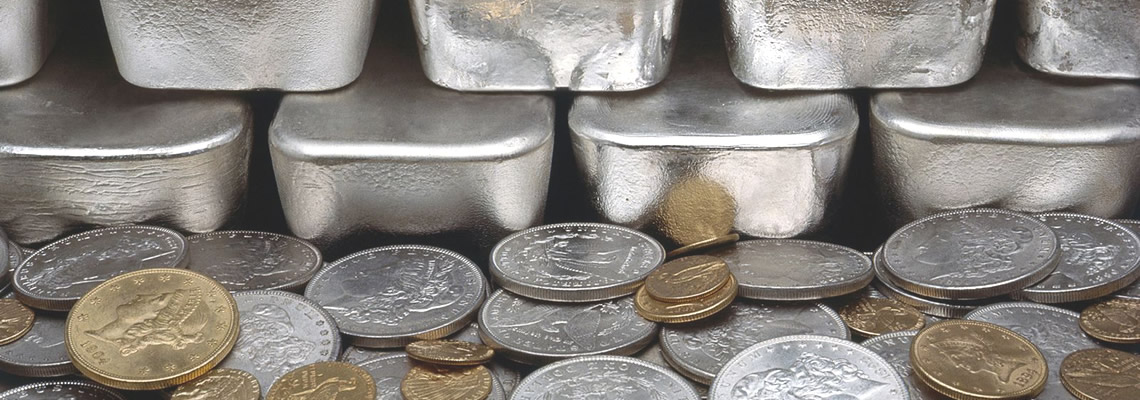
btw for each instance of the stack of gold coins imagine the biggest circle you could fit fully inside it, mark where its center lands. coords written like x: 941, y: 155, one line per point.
x: 448, y: 370
x: 686, y: 289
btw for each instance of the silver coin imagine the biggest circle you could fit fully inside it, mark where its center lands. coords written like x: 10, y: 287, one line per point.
x: 575, y: 262
x: 970, y: 254
x: 808, y: 366
x: 895, y: 348
x: 71, y: 389
x: 15, y: 256
x: 699, y: 350
x: 507, y: 376
x: 390, y: 296
x: 41, y: 352
x: 359, y: 355
x: 938, y: 308
x: 655, y: 356
x: 1055, y: 331
x: 56, y: 276
x: 247, y: 260
x: 1098, y: 257
x: 388, y: 371
x: 537, y: 332
x: 279, y: 332
x: 1131, y: 291
x: 784, y: 269
x: 604, y: 377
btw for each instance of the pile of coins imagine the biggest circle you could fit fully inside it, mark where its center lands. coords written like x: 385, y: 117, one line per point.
x: 957, y: 305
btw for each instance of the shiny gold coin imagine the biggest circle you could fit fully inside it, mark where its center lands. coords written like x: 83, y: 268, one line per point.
x: 676, y: 313
x: 221, y: 383
x: 695, y: 210
x: 706, y: 244
x: 450, y: 352
x: 1114, y: 320
x: 426, y: 382
x: 973, y: 360
x: 323, y: 381
x: 870, y: 316
x: 151, y: 329
x: 687, y: 278
x: 1102, y: 374
x: 15, y: 320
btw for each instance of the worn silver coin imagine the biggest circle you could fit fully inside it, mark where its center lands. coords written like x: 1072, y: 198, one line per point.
x: 575, y: 262
x: 604, y: 377
x: 41, y: 352
x: 895, y: 348
x: 389, y: 370
x: 784, y: 269
x: 969, y: 254
x: 1098, y: 257
x: 279, y: 332
x: 1055, y: 331
x: 699, y: 350
x: 655, y: 356
x: 1131, y: 291
x: 57, y: 275
x: 538, y: 332
x: 390, y: 296
x: 928, y: 306
x: 808, y: 366
x: 248, y: 260
x: 69, y: 389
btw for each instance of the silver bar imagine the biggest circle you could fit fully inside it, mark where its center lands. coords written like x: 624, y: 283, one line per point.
x: 1010, y: 138
x: 1094, y: 39
x: 82, y: 147
x: 298, y: 45
x: 393, y: 154
x: 827, y: 44
x: 27, y: 34
x: 588, y: 45
x: 700, y: 154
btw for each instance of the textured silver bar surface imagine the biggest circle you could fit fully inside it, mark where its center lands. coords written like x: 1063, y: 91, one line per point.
x: 1012, y: 138
x: 834, y: 44
x: 589, y: 45
x: 80, y: 147
x: 298, y: 45
x: 393, y: 154
x: 1081, y: 37
x: 700, y: 152
x: 26, y: 37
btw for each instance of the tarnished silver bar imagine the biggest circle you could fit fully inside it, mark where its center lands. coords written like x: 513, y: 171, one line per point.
x: 828, y: 44
x: 297, y: 45
x: 1010, y: 138
x: 589, y: 45
x: 700, y: 154
x: 1081, y: 38
x: 393, y: 154
x: 27, y: 34
x: 79, y: 146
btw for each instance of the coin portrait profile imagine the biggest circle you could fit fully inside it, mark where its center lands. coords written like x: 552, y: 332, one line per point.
x: 976, y: 355
x: 166, y: 318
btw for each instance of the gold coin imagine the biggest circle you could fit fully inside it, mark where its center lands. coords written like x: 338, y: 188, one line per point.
x: 151, y: 329
x: 709, y: 243
x: 694, y: 210
x: 1114, y: 320
x: 1102, y: 374
x: 687, y: 278
x: 449, y: 352
x: 973, y: 360
x: 15, y: 320
x: 221, y: 383
x: 675, y: 313
x: 870, y: 316
x: 323, y: 381
x: 426, y: 382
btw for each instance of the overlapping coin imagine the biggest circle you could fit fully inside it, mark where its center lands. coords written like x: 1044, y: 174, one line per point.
x: 41, y: 352
x: 249, y: 260
x: 324, y: 380
x: 390, y: 370
x: 1102, y: 374
x: 428, y: 382
x: 895, y: 348
x: 456, y: 353
x: 68, y: 389
x: 220, y: 383
x: 15, y: 320
x: 604, y: 377
x: 973, y: 360
x: 872, y: 317
x: 1098, y: 257
x: 686, y: 289
x: 786, y: 269
x: 1116, y: 320
x: 686, y: 311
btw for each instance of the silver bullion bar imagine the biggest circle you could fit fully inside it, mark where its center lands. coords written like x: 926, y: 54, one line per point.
x: 827, y: 44
x: 702, y: 153
x: 296, y: 45
x: 394, y: 154
x: 590, y: 45
x: 1093, y: 39
x: 1061, y: 145
x: 27, y: 33
x: 82, y: 147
